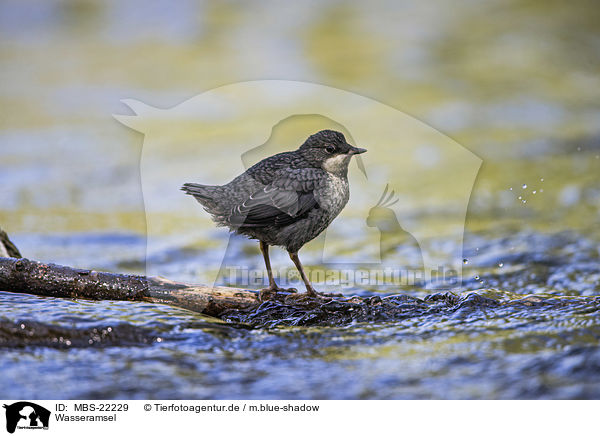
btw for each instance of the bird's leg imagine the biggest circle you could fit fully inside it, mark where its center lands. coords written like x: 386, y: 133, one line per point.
x: 309, y: 289
x: 273, y: 288
x: 264, y: 248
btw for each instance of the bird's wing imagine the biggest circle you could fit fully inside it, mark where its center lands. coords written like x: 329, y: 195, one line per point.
x: 287, y: 199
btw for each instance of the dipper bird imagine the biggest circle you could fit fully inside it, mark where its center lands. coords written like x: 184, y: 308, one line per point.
x: 286, y: 199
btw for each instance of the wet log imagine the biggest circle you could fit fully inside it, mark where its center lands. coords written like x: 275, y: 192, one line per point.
x: 22, y: 275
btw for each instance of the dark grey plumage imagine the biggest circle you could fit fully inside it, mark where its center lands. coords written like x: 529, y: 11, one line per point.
x: 287, y: 199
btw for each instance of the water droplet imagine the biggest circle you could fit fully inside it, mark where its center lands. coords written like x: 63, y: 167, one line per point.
x: 541, y: 180
x: 524, y: 201
x: 542, y: 190
x: 520, y: 198
x: 534, y: 192
x: 465, y: 261
x: 500, y: 265
x: 524, y: 186
x: 510, y: 189
x: 476, y: 277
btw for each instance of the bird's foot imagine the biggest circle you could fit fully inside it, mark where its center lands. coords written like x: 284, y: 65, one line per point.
x: 272, y: 292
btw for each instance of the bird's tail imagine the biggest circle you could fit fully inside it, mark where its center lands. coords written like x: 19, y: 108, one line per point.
x: 207, y: 195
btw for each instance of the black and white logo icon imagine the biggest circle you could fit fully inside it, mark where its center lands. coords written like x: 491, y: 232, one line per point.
x: 26, y: 415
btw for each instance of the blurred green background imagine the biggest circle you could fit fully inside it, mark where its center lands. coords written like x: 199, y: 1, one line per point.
x: 516, y: 82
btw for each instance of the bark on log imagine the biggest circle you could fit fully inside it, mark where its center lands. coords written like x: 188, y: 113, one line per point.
x: 31, y: 277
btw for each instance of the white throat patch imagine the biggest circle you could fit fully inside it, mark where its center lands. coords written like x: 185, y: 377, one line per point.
x: 337, y: 164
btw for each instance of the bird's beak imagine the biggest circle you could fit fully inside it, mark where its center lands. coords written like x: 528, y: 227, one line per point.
x: 356, y: 150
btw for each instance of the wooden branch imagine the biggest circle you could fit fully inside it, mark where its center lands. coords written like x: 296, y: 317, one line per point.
x: 31, y: 277
x: 210, y: 300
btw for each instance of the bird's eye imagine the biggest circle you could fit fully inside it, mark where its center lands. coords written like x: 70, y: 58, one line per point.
x: 330, y: 149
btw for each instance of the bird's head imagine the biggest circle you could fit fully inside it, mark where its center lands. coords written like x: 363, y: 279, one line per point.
x: 329, y: 150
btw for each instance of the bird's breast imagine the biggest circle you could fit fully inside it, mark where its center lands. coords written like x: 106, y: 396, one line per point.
x: 334, y: 194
